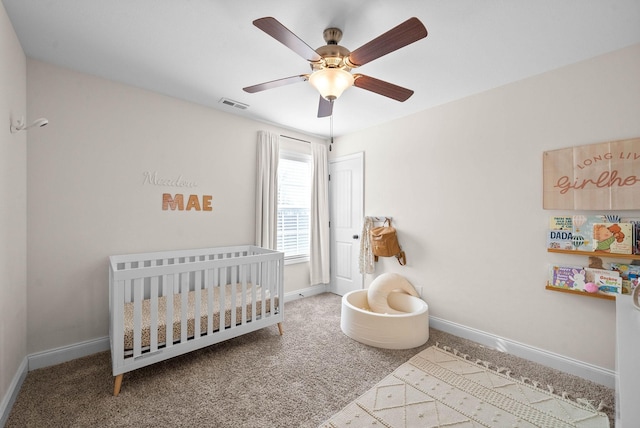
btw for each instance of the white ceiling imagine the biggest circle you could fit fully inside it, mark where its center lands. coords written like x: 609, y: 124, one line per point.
x: 204, y: 50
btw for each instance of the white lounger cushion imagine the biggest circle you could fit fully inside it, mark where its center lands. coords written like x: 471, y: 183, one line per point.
x: 378, y: 293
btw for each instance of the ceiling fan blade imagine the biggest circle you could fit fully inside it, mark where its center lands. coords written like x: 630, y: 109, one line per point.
x: 275, y: 29
x: 402, y: 35
x: 325, y: 107
x: 383, y: 88
x: 275, y: 83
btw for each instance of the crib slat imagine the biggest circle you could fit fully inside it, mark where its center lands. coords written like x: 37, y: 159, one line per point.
x: 169, y: 322
x: 138, y: 295
x: 207, y: 278
x: 222, y: 297
x: 127, y: 286
x: 153, y: 322
x: 278, y: 278
x: 243, y: 287
x: 234, y: 281
x: 263, y: 284
x: 252, y: 278
x: 184, y: 316
x: 220, y: 291
x: 263, y: 309
x: 234, y: 292
x: 197, y: 314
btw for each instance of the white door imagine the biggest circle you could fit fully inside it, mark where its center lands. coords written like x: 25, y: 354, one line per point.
x: 346, y: 202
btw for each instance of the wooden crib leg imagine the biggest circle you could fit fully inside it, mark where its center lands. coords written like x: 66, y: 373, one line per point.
x: 117, y: 384
x: 280, y: 329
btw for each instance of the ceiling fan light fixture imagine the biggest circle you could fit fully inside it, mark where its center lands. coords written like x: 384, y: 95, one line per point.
x: 331, y: 82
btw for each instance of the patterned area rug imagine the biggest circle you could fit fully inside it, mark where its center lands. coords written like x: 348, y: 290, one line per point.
x: 438, y: 388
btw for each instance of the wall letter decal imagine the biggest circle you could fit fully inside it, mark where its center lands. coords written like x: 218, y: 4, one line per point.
x: 173, y: 203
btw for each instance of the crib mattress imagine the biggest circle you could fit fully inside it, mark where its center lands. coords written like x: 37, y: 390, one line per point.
x: 177, y: 313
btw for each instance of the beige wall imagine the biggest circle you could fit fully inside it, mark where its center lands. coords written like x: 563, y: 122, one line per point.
x: 13, y: 209
x: 464, y: 184
x: 87, y: 198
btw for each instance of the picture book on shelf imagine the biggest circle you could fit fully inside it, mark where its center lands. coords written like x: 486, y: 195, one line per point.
x: 572, y: 277
x: 630, y: 275
x: 582, y: 231
x: 635, y: 234
x: 560, y: 223
x: 559, y: 240
x: 559, y: 234
x: 592, y: 273
x: 608, y: 284
x: 612, y: 238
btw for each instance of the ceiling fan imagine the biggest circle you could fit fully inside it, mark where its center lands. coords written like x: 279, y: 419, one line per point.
x: 331, y: 64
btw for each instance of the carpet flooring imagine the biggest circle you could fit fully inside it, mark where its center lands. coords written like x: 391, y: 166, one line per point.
x: 258, y: 380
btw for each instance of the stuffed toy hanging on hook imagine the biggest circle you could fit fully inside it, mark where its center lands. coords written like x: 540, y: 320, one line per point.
x: 384, y: 242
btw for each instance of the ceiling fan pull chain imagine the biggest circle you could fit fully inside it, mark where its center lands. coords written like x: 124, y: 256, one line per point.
x: 331, y: 131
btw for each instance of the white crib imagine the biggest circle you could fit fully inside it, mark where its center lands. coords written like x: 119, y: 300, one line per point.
x: 229, y: 290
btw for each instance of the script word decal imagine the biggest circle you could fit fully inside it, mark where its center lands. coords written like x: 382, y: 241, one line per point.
x: 179, y: 181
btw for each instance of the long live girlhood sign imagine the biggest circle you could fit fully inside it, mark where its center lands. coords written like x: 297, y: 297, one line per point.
x: 604, y: 176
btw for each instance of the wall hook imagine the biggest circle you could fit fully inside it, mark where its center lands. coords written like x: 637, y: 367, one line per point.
x: 21, y: 125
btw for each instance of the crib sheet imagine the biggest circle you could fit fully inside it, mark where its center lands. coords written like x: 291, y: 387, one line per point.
x: 177, y: 311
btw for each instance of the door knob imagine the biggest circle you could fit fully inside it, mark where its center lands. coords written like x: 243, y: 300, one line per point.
x: 355, y: 237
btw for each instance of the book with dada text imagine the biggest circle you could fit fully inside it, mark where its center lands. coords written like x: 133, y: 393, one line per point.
x: 560, y: 240
x: 559, y: 234
x: 613, y: 238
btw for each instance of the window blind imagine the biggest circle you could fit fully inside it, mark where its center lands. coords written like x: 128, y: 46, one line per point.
x: 294, y: 200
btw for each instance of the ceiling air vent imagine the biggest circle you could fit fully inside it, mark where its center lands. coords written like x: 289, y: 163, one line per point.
x: 235, y: 104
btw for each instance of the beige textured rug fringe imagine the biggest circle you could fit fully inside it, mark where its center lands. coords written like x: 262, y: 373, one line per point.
x: 587, y: 404
x: 442, y: 387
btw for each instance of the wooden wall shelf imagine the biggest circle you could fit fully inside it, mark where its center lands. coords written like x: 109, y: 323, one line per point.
x: 596, y: 254
x: 581, y: 293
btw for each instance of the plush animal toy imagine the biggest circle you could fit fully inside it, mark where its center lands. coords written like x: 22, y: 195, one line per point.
x: 590, y: 287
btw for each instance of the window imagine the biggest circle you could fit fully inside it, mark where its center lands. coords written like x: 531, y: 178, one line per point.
x: 294, y: 200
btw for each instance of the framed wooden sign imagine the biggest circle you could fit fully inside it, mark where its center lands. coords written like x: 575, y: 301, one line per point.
x: 603, y: 176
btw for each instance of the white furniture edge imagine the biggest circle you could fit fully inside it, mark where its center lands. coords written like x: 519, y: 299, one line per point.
x: 569, y: 365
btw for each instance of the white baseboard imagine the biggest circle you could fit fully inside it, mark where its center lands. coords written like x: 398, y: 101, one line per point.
x: 306, y: 292
x: 581, y: 369
x: 12, y: 392
x: 68, y: 353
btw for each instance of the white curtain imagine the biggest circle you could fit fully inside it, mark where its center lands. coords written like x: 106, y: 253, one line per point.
x: 319, y: 257
x: 267, y: 190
